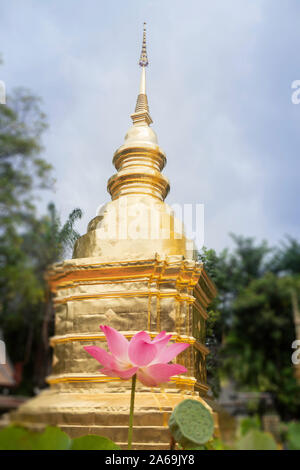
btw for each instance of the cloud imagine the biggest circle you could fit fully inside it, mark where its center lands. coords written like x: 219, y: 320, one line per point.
x: 219, y: 90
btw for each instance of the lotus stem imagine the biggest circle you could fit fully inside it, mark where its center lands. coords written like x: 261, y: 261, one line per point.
x: 131, y: 411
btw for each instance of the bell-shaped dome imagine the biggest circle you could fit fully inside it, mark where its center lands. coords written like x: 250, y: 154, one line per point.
x: 137, y: 222
x: 140, y: 134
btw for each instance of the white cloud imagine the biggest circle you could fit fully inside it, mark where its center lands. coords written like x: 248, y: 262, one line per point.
x: 207, y: 91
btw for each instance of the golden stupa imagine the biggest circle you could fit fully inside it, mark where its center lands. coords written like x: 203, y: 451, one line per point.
x: 134, y: 270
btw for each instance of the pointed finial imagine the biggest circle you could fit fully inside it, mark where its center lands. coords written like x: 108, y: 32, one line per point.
x: 141, y: 114
x: 143, y: 58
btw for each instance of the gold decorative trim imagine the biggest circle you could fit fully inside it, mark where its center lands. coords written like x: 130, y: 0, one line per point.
x: 101, y: 337
x: 113, y: 271
x: 149, y: 312
x: 201, y: 347
x: 201, y: 387
x: 103, y: 378
x: 98, y: 379
x: 104, y: 295
x: 200, y: 310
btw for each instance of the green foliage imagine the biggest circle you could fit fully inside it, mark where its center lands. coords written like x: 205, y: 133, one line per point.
x: 22, y: 170
x: 247, y: 424
x: 293, y: 436
x: 52, y: 438
x: 286, y: 259
x: 28, y: 242
x: 93, y: 443
x: 191, y: 424
x: 258, y: 346
x: 231, y: 272
x: 252, y: 319
x: 256, y: 440
x: 26, y: 315
x: 216, y: 444
x: 18, y: 438
x: 48, y: 240
x: 13, y: 438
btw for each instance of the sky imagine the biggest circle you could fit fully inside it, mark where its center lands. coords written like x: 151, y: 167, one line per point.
x: 219, y: 86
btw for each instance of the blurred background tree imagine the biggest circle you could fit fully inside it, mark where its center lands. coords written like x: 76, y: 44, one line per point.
x: 28, y: 242
x: 253, y: 319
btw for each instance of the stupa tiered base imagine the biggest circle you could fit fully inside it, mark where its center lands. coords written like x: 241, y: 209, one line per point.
x: 106, y: 414
x: 152, y: 294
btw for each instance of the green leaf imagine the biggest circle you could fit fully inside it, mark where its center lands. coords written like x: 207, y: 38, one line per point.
x: 215, y: 444
x: 247, y: 424
x: 13, y: 438
x: 51, y: 439
x: 293, y: 436
x: 256, y: 440
x: 18, y: 438
x: 91, y: 442
x: 191, y: 424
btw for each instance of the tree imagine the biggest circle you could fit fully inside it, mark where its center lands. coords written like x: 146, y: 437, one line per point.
x: 258, y: 347
x: 233, y: 271
x: 22, y: 170
x: 26, y: 316
x: 253, y: 318
x: 286, y: 259
x: 28, y: 242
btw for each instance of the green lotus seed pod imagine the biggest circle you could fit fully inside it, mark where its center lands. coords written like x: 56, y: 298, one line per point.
x: 191, y: 424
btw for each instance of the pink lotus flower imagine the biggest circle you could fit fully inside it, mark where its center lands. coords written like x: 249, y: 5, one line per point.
x: 149, y: 360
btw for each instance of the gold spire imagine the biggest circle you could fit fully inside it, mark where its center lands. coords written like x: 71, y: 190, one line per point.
x: 139, y: 161
x: 141, y: 114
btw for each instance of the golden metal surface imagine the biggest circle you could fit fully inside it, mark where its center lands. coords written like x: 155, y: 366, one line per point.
x: 134, y: 270
x: 81, y: 305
